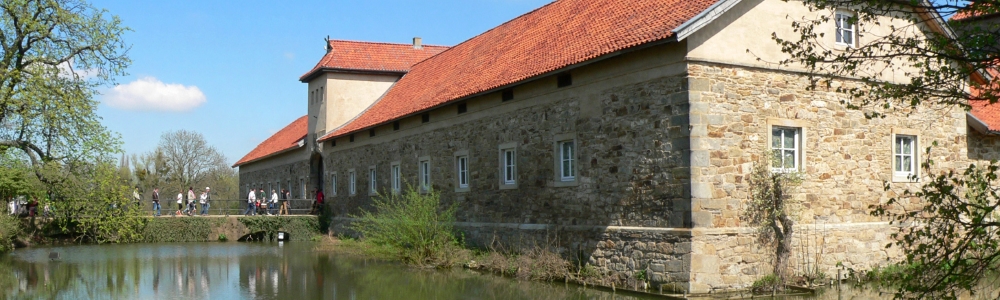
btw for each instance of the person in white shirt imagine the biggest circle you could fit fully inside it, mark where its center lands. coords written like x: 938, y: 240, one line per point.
x: 180, y: 203
x: 273, y: 202
x: 251, y: 198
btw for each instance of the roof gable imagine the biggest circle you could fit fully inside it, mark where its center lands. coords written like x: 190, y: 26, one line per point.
x: 552, y: 37
x: 285, y: 139
x: 371, y: 57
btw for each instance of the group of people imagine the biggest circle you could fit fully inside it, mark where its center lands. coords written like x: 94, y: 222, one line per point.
x: 258, y: 203
x: 190, y: 208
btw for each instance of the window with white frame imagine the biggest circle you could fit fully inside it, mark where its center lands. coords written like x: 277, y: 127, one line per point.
x: 567, y: 161
x: 508, y: 165
x: 785, y: 149
x: 333, y: 184
x: 396, y: 180
x: 846, y: 29
x: 904, y: 158
x: 372, y: 181
x: 352, y: 183
x: 462, y: 162
x: 425, y: 174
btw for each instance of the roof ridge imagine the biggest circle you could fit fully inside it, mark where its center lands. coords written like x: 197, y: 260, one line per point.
x: 386, y: 43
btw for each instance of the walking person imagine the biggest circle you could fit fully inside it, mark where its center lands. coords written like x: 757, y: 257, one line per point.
x: 156, y: 202
x: 180, y: 203
x: 137, y: 196
x: 261, y: 199
x: 251, y: 201
x: 205, y: 197
x: 190, y: 202
x: 274, y: 202
x: 284, y: 203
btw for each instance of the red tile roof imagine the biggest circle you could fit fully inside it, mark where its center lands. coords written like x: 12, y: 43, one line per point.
x: 554, y: 36
x: 988, y: 113
x: 372, y: 57
x: 285, y: 139
x: 972, y: 13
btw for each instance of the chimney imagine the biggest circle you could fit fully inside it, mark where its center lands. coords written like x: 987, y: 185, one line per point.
x: 418, y: 43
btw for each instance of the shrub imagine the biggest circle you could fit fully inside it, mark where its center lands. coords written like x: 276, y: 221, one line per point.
x: 411, y: 226
x: 10, y: 228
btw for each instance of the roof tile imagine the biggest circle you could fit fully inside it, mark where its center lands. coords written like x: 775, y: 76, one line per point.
x: 557, y: 35
x: 372, y: 57
x: 285, y: 139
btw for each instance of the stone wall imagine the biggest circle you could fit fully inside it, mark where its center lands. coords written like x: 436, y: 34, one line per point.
x: 847, y: 160
x: 289, y: 174
x: 983, y: 147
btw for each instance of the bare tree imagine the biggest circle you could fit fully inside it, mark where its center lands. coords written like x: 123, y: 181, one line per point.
x: 189, y: 157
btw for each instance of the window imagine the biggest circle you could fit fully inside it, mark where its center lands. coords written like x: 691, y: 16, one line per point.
x: 845, y: 28
x: 333, y: 143
x: 564, y: 80
x: 463, y: 171
x: 312, y: 97
x: 462, y: 108
x: 351, y: 183
x: 904, y: 158
x: 507, y: 95
x: 372, y: 183
x: 395, y: 125
x: 396, y: 180
x: 785, y: 149
x: 302, y: 184
x: 322, y: 96
x: 352, y: 138
x: 333, y: 184
x: 371, y: 132
x: 508, y: 165
x: 426, y: 117
x: 567, y: 167
x: 425, y: 174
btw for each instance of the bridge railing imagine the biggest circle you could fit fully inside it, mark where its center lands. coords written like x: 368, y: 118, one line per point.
x: 221, y: 207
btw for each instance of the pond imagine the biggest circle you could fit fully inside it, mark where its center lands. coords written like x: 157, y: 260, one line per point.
x: 248, y: 271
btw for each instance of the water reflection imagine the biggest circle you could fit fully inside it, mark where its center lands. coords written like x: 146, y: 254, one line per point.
x: 241, y: 271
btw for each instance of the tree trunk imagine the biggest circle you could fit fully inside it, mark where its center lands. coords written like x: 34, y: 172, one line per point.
x: 784, y: 248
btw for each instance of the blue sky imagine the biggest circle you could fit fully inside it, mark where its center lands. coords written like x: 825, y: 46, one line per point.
x: 229, y: 70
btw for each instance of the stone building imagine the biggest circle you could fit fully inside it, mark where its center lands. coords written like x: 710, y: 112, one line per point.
x: 620, y: 133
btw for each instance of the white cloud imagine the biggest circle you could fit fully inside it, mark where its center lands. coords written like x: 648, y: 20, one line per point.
x: 66, y: 69
x: 151, y: 94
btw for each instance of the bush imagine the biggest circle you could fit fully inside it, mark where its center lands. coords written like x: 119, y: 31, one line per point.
x: 10, y: 228
x: 410, y: 226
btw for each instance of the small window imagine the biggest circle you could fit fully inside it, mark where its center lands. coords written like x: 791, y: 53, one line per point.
x: 322, y: 96
x: 352, y: 183
x: 463, y: 171
x: 567, y: 161
x: 333, y: 143
x: 352, y: 138
x: 905, y: 158
x: 333, y: 184
x: 395, y: 125
x: 425, y: 174
x: 425, y: 117
x: 785, y: 149
x: 509, y: 167
x: 507, y: 95
x: 371, y: 132
x: 372, y: 182
x: 462, y: 108
x: 846, y: 31
x: 564, y: 80
x: 396, y: 180
x: 312, y: 97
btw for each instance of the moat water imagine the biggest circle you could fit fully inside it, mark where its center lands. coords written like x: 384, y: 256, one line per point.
x: 259, y: 271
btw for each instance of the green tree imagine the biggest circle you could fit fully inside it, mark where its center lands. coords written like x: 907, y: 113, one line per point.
x: 56, y: 53
x: 768, y: 210
x: 950, y: 242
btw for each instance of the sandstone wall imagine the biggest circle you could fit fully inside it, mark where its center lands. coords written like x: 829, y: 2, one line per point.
x: 983, y: 148
x: 289, y: 176
x: 847, y: 159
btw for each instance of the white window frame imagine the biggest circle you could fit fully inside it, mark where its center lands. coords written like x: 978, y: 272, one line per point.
x: 567, y: 159
x: 302, y: 184
x: 559, y: 179
x: 424, y: 172
x: 914, y: 155
x: 796, y: 149
x: 372, y: 181
x: 841, y: 19
x: 462, y: 178
x: 333, y: 184
x: 396, y: 174
x: 508, y: 165
x: 352, y: 182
